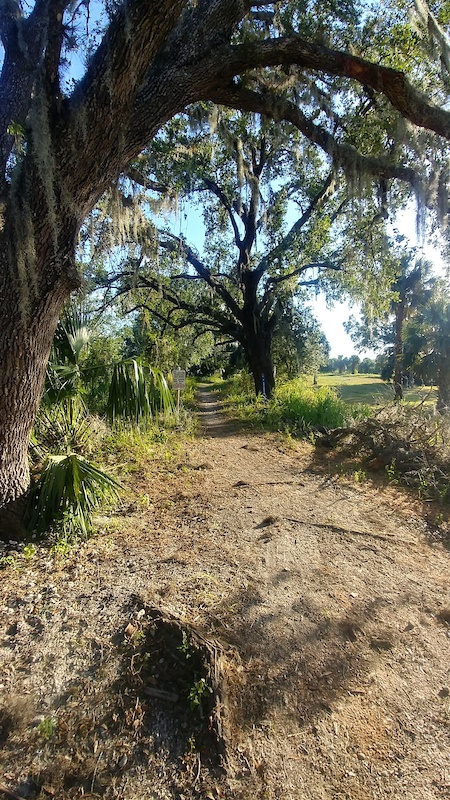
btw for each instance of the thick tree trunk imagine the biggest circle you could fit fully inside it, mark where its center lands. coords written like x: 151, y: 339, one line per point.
x: 23, y: 357
x: 259, y: 359
x: 30, y: 305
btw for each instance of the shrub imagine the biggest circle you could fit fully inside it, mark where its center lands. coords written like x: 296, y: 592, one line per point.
x: 302, y: 409
x: 67, y: 493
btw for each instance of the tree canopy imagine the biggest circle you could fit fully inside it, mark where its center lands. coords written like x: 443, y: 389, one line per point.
x: 247, y: 177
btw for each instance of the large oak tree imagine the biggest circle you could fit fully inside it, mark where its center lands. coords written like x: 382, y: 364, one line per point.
x: 247, y: 178
x: 62, y: 144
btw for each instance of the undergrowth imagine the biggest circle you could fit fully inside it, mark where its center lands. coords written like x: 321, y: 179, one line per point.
x: 410, y: 444
x: 69, y: 488
x: 295, y: 408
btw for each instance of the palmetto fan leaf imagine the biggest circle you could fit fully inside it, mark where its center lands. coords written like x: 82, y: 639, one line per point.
x: 61, y: 428
x: 69, y: 490
x: 72, y: 334
x: 137, y: 391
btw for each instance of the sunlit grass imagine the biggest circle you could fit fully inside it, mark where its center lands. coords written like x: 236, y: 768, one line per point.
x: 371, y: 390
x: 297, y: 406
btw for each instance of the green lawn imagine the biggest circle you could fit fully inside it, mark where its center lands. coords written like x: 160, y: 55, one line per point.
x: 370, y: 389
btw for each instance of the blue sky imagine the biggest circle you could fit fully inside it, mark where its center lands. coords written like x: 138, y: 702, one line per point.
x: 332, y: 318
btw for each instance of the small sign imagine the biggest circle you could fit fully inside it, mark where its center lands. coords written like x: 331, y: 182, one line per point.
x: 179, y: 378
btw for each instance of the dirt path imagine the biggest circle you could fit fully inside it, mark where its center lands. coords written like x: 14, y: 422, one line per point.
x: 331, y: 604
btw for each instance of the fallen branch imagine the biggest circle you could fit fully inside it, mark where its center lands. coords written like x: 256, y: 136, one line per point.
x: 4, y: 790
x: 411, y: 444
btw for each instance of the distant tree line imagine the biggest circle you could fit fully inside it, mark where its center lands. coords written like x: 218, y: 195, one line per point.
x: 354, y: 364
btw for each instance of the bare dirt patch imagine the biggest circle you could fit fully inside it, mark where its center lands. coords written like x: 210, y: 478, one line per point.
x: 325, y: 603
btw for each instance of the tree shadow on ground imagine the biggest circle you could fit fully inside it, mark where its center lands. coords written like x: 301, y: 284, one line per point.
x: 342, y: 463
x: 304, y: 671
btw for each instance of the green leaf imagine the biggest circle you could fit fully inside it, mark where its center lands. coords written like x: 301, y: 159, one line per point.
x: 137, y: 391
x: 69, y: 490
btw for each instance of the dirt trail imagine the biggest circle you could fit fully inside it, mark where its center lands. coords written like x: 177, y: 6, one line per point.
x: 337, y: 619
x: 330, y: 601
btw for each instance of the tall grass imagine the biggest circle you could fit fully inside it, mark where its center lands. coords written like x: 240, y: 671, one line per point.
x: 295, y: 407
x: 301, y: 409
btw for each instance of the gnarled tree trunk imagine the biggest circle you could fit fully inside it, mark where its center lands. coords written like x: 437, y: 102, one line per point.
x: 257, y: 348
x: 33, y: 288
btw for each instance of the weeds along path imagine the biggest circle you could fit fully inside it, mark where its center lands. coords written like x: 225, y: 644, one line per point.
x: 327, y: 598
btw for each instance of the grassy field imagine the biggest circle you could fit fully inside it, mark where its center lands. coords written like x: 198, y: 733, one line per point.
x: 370, y: 390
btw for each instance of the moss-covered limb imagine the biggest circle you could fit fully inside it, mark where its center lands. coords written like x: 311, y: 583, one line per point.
x: 25, y: 41
x: 221, y: 196
x: 89, y: 132
x: 134, y: 174
x: 409, y: 101
x: 194, y: 313
x: 118, y: 68
x: 92, y: 135
x: 55, y: 38
x: 182, y: 72
x: 343, y: 154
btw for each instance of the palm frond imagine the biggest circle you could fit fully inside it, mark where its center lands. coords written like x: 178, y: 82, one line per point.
x: 69, y: 490
x: 62, y: 381
x: 61, y: 428
x: 77, y: 324
x: 63, y: 372
x: 137, y: 391
x: 73, y: 332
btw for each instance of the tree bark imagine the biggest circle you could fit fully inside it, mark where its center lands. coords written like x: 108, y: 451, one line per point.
x: 398, y: 355
x: 24, y: 353
x: 34, y: 283
x: 258, y: 353
x: 443, y: 401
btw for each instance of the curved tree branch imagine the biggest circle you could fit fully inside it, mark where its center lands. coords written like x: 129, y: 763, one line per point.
x: 300, y: 270
x: 220, y: 194
x: 180, y: 246
x: 341, y: 152
x: 138, y: 177
x: 198, y: 313
x: 409, y: 101
x: 321, y: 197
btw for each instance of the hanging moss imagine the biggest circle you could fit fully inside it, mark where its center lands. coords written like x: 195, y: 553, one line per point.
x: 43, y: 154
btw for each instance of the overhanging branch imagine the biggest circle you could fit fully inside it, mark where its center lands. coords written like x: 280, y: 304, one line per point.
x: 341, y: 153
x: 409, y: 101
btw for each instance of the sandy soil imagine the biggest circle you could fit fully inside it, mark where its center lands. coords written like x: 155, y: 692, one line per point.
x: 329, y: 603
